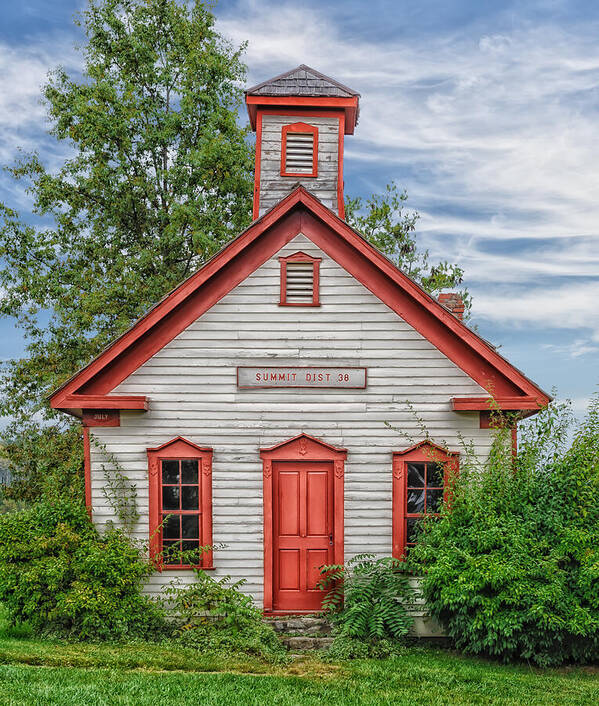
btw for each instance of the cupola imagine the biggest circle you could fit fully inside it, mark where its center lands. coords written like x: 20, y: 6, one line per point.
x: 300, y: 119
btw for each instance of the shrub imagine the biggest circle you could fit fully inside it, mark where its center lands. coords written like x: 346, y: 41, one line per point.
x: 59, y: 575
x: 368, y: 598
x: 344, y: 648
x: 213, y: 615
x: 511, y: 568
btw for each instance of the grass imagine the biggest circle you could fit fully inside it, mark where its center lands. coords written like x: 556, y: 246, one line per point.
x: 36, y: 671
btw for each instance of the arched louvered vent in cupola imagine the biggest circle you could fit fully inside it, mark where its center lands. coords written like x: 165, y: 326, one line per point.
x: 299, y: 150
x: 300, y: 280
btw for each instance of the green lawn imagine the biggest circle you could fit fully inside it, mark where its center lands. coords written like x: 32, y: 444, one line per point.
x: 51, y: 672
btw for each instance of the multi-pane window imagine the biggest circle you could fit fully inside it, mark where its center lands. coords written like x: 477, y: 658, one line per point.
x: 424, y: 495
x: 180, y: 504
x: 420, y: 481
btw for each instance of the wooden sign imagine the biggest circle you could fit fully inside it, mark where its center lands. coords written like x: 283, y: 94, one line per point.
x: 252, y: 377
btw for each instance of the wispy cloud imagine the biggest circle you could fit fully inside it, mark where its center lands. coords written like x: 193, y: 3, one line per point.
x: 494, y: 134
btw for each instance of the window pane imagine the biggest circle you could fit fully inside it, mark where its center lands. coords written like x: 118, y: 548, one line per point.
x: 171, y: 552
x: 170, y: 497
x: 434, y: 475
x: 416, y: 475
x: 190, y: 497
x: 191, y: 526
x: 170, y: 527
x: 170, y: 472
x: 190, y: 546
x: 415, y: 501
x: 189, y: 471
x: 433, y: 500
x: 411, y: 529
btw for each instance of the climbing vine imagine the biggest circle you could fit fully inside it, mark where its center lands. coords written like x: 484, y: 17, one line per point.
x: 118, y: 489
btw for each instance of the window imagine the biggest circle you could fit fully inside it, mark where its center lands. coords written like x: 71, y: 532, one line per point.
x: 180, y: 503
x: 299, y: 150
x: 420, y: 481
x: 300, y: 280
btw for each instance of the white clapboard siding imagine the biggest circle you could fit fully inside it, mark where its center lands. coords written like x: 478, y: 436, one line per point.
x: 273, y: 186
x: 191, y: 384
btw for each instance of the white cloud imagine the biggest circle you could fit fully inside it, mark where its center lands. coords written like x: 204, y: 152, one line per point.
x: 24, y: 69
x: 498, y: 132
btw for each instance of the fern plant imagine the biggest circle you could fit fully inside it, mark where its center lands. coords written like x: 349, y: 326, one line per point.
x: 368, y: 597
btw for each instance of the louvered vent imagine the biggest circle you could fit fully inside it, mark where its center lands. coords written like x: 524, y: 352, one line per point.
x: 300, y: 283
x: 299, y: 153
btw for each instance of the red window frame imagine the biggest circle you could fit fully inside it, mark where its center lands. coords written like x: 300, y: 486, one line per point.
x: 424, y: 452
x: 300, y: 257
x: 299, y: 127
x: 180, y: 449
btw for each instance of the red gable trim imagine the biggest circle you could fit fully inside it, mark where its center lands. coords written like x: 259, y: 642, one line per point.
x: 348, y: 105
x: 298, y: 212
x: 475, y: 404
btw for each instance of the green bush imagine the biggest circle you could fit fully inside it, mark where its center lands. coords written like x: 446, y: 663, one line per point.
x: 213, y: 615
x: 60, y: 576
x: 368, y: 598
x: 511, y: 568
x: 346, y: 648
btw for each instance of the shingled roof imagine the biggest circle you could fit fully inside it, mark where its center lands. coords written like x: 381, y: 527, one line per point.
x: 302, y: 81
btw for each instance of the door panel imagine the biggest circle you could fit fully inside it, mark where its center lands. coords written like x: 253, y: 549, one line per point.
x: 303, y: 531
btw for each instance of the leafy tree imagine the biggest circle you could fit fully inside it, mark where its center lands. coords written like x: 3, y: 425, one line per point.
x: 157, y: 179
x: 385, y: 223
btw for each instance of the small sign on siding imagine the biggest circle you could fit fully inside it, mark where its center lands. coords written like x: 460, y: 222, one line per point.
x: 266, y: 376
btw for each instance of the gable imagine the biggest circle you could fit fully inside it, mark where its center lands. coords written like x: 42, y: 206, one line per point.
x: 352, y: 328
x: 300, y: 212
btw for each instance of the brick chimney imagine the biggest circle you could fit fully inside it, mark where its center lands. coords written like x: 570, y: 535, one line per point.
x: 454, y: 303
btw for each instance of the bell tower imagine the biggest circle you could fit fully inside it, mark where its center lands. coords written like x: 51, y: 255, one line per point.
x: 300, y: 119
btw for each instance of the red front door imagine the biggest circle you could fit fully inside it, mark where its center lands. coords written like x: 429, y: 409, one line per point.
x: 302, y: 532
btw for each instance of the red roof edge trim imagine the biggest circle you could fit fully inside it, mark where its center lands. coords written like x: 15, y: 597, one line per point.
x: 476, y: 404
x: 260, y: 241
x: 124, y: 402
x: 173, y: 300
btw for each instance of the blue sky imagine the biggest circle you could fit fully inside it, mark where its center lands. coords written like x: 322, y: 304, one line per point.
x: 487, y: 113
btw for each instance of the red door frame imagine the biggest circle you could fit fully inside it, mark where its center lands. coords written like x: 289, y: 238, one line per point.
x: 300, y: 448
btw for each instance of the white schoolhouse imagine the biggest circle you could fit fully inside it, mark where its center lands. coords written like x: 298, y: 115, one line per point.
x: 249, y: 407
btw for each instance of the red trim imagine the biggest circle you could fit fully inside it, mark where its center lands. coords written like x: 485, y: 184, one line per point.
x: 340, y: 178
x: 424, y: 452
x: 87, y: 471
x: 489, y: 404
x: 256, y: 202
x: 179, y: 448
x: 348, y: 105
x: 300, y: 257
x: 95, y: 402
x: 301, y: 212
x: 300, y: 448
x: 302, y: 128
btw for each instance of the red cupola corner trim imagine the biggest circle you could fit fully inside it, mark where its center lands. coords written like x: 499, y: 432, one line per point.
x: 300, y: 212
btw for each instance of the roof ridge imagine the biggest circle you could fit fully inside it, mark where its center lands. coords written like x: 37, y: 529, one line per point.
x: 302, y: 67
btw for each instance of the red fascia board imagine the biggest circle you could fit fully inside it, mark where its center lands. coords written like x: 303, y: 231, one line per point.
x: 479, y: 404
x: 283, y: 222
x: 126, y: 402
x: 185, y: 303
x: 414, y: 305
x: 348, y: 105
